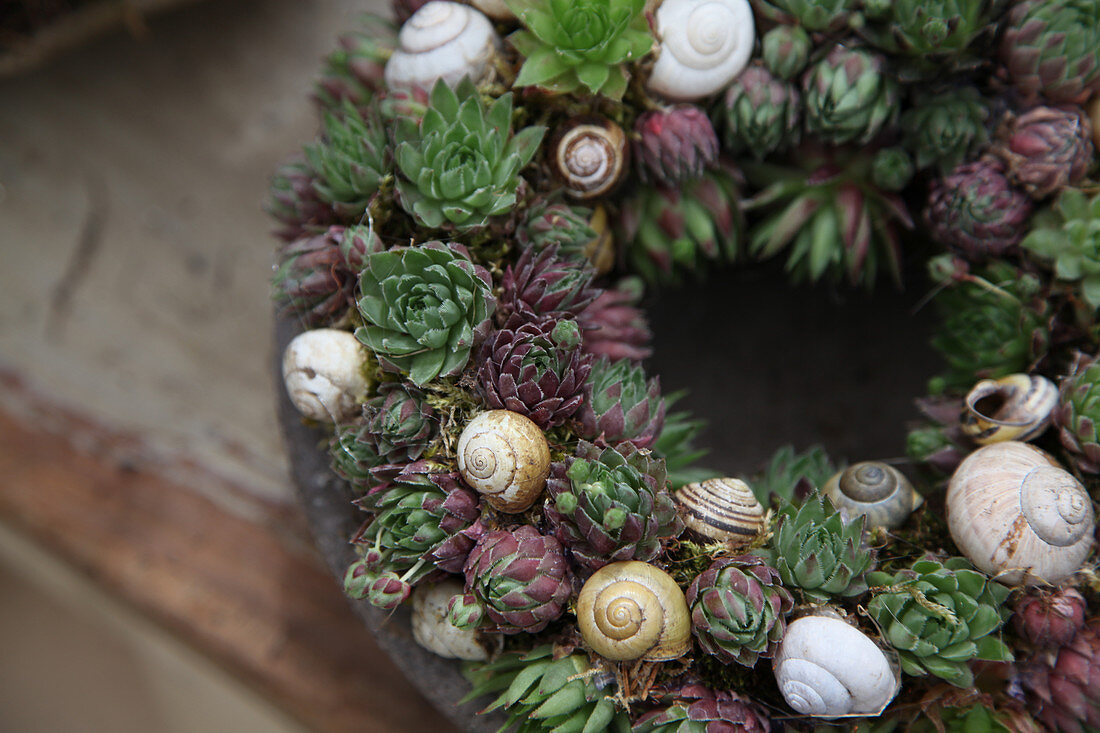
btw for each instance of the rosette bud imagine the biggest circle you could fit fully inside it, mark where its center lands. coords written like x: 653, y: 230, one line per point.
x: 674, y: 144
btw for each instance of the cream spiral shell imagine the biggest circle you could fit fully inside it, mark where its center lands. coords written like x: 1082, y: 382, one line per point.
x: 1018, y: 516
x: 589, y: 156
x: 633, y: 610
x: 504, y: 456
x: 705, y: 44
x: 875, y: 489
x: 323, y: 374
x: 1016, y: 407
x: 825, y: 667
x: 442, y: 40
x: 723, y: 509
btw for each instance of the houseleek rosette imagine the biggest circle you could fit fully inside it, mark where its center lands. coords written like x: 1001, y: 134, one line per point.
x: 580, y: 45
x: 1068, y: 236
x: 425, y: 308
x: 461, y: 163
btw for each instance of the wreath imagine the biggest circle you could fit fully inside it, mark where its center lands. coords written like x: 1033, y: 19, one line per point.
x: 466, y: 245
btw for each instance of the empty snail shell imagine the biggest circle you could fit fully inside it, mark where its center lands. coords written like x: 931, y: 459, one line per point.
x: 434, y: 631
x: 505, y: 457
x: 1016, y: 407
x: 442, y: 40
x: 704, y: 45
x: 323, y: 373
x: 723, y: 509
x: 875, y: 489
x: 825, y: 667
x: 1018, y: 516
x: 634, y: 610
x: 589, y: 155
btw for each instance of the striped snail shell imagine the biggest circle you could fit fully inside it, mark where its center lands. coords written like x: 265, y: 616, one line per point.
x: 634, y: 610
x: 722, y: 509
x: 589, y: 156
x: 1018, y: 516
x: 442, y: 40
x: 825, y: 667
x: 704, y: 46
x: 504, y: 456
x: 1016, y: 407
x: 875, y: 489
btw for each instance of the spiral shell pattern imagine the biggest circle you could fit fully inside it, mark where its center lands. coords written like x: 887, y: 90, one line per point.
x: 704, y: 46
x: 442, y: 40
x: 722, y: 509
x: 589, y: 156
x: 633, y: 610
x: 825, y: 667
x: 1016, y: 407
x: 1018, y: 516
x: 505, y: 457
x: 877, y: 490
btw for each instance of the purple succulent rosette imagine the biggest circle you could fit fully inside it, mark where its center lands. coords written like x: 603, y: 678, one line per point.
x: 976, y: 211
x: 543, y: 284
x: 520, y: 577
x: 674, y: 144
x: 621, y: 405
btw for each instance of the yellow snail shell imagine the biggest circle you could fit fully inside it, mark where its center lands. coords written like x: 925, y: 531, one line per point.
x: 633, y: 610
x: 1016, y: 407
x: 723, y: 509
x: 705, y: 44
x: 323, y: 374
x: 442, y: 40
x: 589, y: 156
x: 827, y: 668
x: 601, y: 250
x: 875, y: 489
x: 433, y: 630
x: 1018, y: 516
x: 504, y: 456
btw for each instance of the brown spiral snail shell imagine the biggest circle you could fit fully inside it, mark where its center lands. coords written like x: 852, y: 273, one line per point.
x: 589, y: 156
x: 505, y: 457
x: 1016, y: 407
x: 723, y: 509
x: 634, y: 610
x: 1019, y: 516
x: 875, y: 489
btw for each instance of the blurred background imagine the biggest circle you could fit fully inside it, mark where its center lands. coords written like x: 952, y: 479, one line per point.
x: 155, y: 572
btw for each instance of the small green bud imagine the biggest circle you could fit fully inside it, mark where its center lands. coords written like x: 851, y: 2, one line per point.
x: 614, y: 518
x: 566, y: 503
x: 358, y: 580
x: 892, y: 169
x: 786, y: 50
x: 567, y: 334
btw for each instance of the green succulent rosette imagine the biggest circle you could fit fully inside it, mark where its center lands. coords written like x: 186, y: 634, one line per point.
x: 1069, y: 237
x: 621, y: 404
x: 929, y: 27
x: 351, y: 161
x: 947, y: 128
x: 460, y: 165
x: 848, y: 96
x: 1078, y: 414
x: 540, y: 693
x: 790, y: 476
x: 353, y: 72
x: 940, y: 616
x: 813, y: 15
x: 1052, y: 48
x: 425, y: 307
x: 580, y: 46
x: 816, y: 550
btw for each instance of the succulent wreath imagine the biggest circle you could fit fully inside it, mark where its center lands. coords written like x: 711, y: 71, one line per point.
x: 466, y: 243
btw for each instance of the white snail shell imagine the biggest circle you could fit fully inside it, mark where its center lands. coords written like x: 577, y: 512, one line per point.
x: 634, y: 610
x: 504, y: 456
x: 723, y: 509
x: 442, y: 40
x: 705, y: 44
x: 434, y: 631
x: 875, y: 489
x: 825, y: 667
x: 590, y: 156
x: 1018, y: 516
x: 1016, y: 407
x: 323, y: 373
x: 495, y: 9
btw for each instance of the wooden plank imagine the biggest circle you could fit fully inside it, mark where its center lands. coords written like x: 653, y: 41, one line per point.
x: 230, y: 587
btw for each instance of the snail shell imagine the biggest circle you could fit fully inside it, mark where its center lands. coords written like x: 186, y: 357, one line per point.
x: 442, y: 40
x: 880, y: 491
x: 434, y: 631
x: 1016, y: 407
x: 601, y: 250
x: 634, y: 610
x: 589, y: 155
x: 323, y: 374
x: 825, y: 667
x: 704, y: 46
x: 1018, y: 516
x: 505, y: 457
x: 723, y: 509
